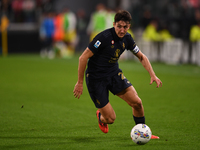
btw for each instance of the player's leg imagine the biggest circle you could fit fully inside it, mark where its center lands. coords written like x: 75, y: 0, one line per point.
x: 131, y: 97
x: 99, y: 94
x: 123, y: 88
x: 107, y: 114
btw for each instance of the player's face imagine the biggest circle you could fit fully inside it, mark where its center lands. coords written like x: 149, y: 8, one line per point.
x: 121, y: 28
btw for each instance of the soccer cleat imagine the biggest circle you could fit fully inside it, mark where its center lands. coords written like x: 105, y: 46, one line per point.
x: 102, y: 126
x: 154, y: 137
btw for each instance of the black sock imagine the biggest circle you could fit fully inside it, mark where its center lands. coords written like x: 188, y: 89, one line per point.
x: 139, y: 120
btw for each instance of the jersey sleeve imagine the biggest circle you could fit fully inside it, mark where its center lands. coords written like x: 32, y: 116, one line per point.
x: 97, y: 43
x: 132, y: 46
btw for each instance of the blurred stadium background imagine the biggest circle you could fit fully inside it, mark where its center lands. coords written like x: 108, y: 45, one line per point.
x: 37, y: 106
x: 166, y: 31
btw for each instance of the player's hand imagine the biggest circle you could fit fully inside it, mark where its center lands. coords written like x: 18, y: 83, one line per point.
x: 157, y: 80
x: 78, y: 90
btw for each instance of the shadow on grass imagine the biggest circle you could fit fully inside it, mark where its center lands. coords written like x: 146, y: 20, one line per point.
x: 56, y: 141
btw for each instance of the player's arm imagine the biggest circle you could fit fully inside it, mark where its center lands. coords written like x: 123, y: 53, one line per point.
x: 78, y: 89
x: 147, y: 65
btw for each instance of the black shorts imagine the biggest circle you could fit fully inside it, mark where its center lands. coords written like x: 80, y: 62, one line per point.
x: 99, y: 89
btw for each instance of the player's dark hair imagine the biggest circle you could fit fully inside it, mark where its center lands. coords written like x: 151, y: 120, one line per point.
x: 123, y: 15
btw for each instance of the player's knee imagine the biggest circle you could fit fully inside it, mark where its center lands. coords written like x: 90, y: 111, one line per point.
x: 137, y: 105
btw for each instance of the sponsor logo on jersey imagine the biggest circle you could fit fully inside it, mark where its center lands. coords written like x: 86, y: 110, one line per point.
x: 97, y: 44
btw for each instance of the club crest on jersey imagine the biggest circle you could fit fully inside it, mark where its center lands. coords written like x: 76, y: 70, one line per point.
x: 97, y: 44
x: 117, y: 52
x: 112, y: 42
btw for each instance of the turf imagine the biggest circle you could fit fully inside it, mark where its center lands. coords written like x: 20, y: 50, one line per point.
x: 38, y: 110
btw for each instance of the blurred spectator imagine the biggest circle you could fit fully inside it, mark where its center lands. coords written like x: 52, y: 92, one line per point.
x: 46, y: 33
x: 195, y: 29
x: 110, y: 16
x: 195, y: 32
x: 97, y: 21
x: 58, y: 37
x: 70, y: 37
x: 194, y: 54
x: 59, y: 29
x: 151, y: 32
x: 3, y: 29
x: 82, y: 23
x: 195, y: 40
x: 165, y: 35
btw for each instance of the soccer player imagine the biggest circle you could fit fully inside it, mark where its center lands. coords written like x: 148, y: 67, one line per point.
x: 103, y: 73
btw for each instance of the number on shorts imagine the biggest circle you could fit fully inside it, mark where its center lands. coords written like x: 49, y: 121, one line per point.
x: 122, y: 75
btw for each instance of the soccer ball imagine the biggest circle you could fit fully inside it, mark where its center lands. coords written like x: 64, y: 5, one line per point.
x: 141, y: 134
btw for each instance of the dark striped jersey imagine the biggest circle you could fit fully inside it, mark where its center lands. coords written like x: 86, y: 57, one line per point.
x: 107, y: 48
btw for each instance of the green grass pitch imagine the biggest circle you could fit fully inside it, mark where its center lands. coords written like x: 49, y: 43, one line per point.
x: 38, y: 110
